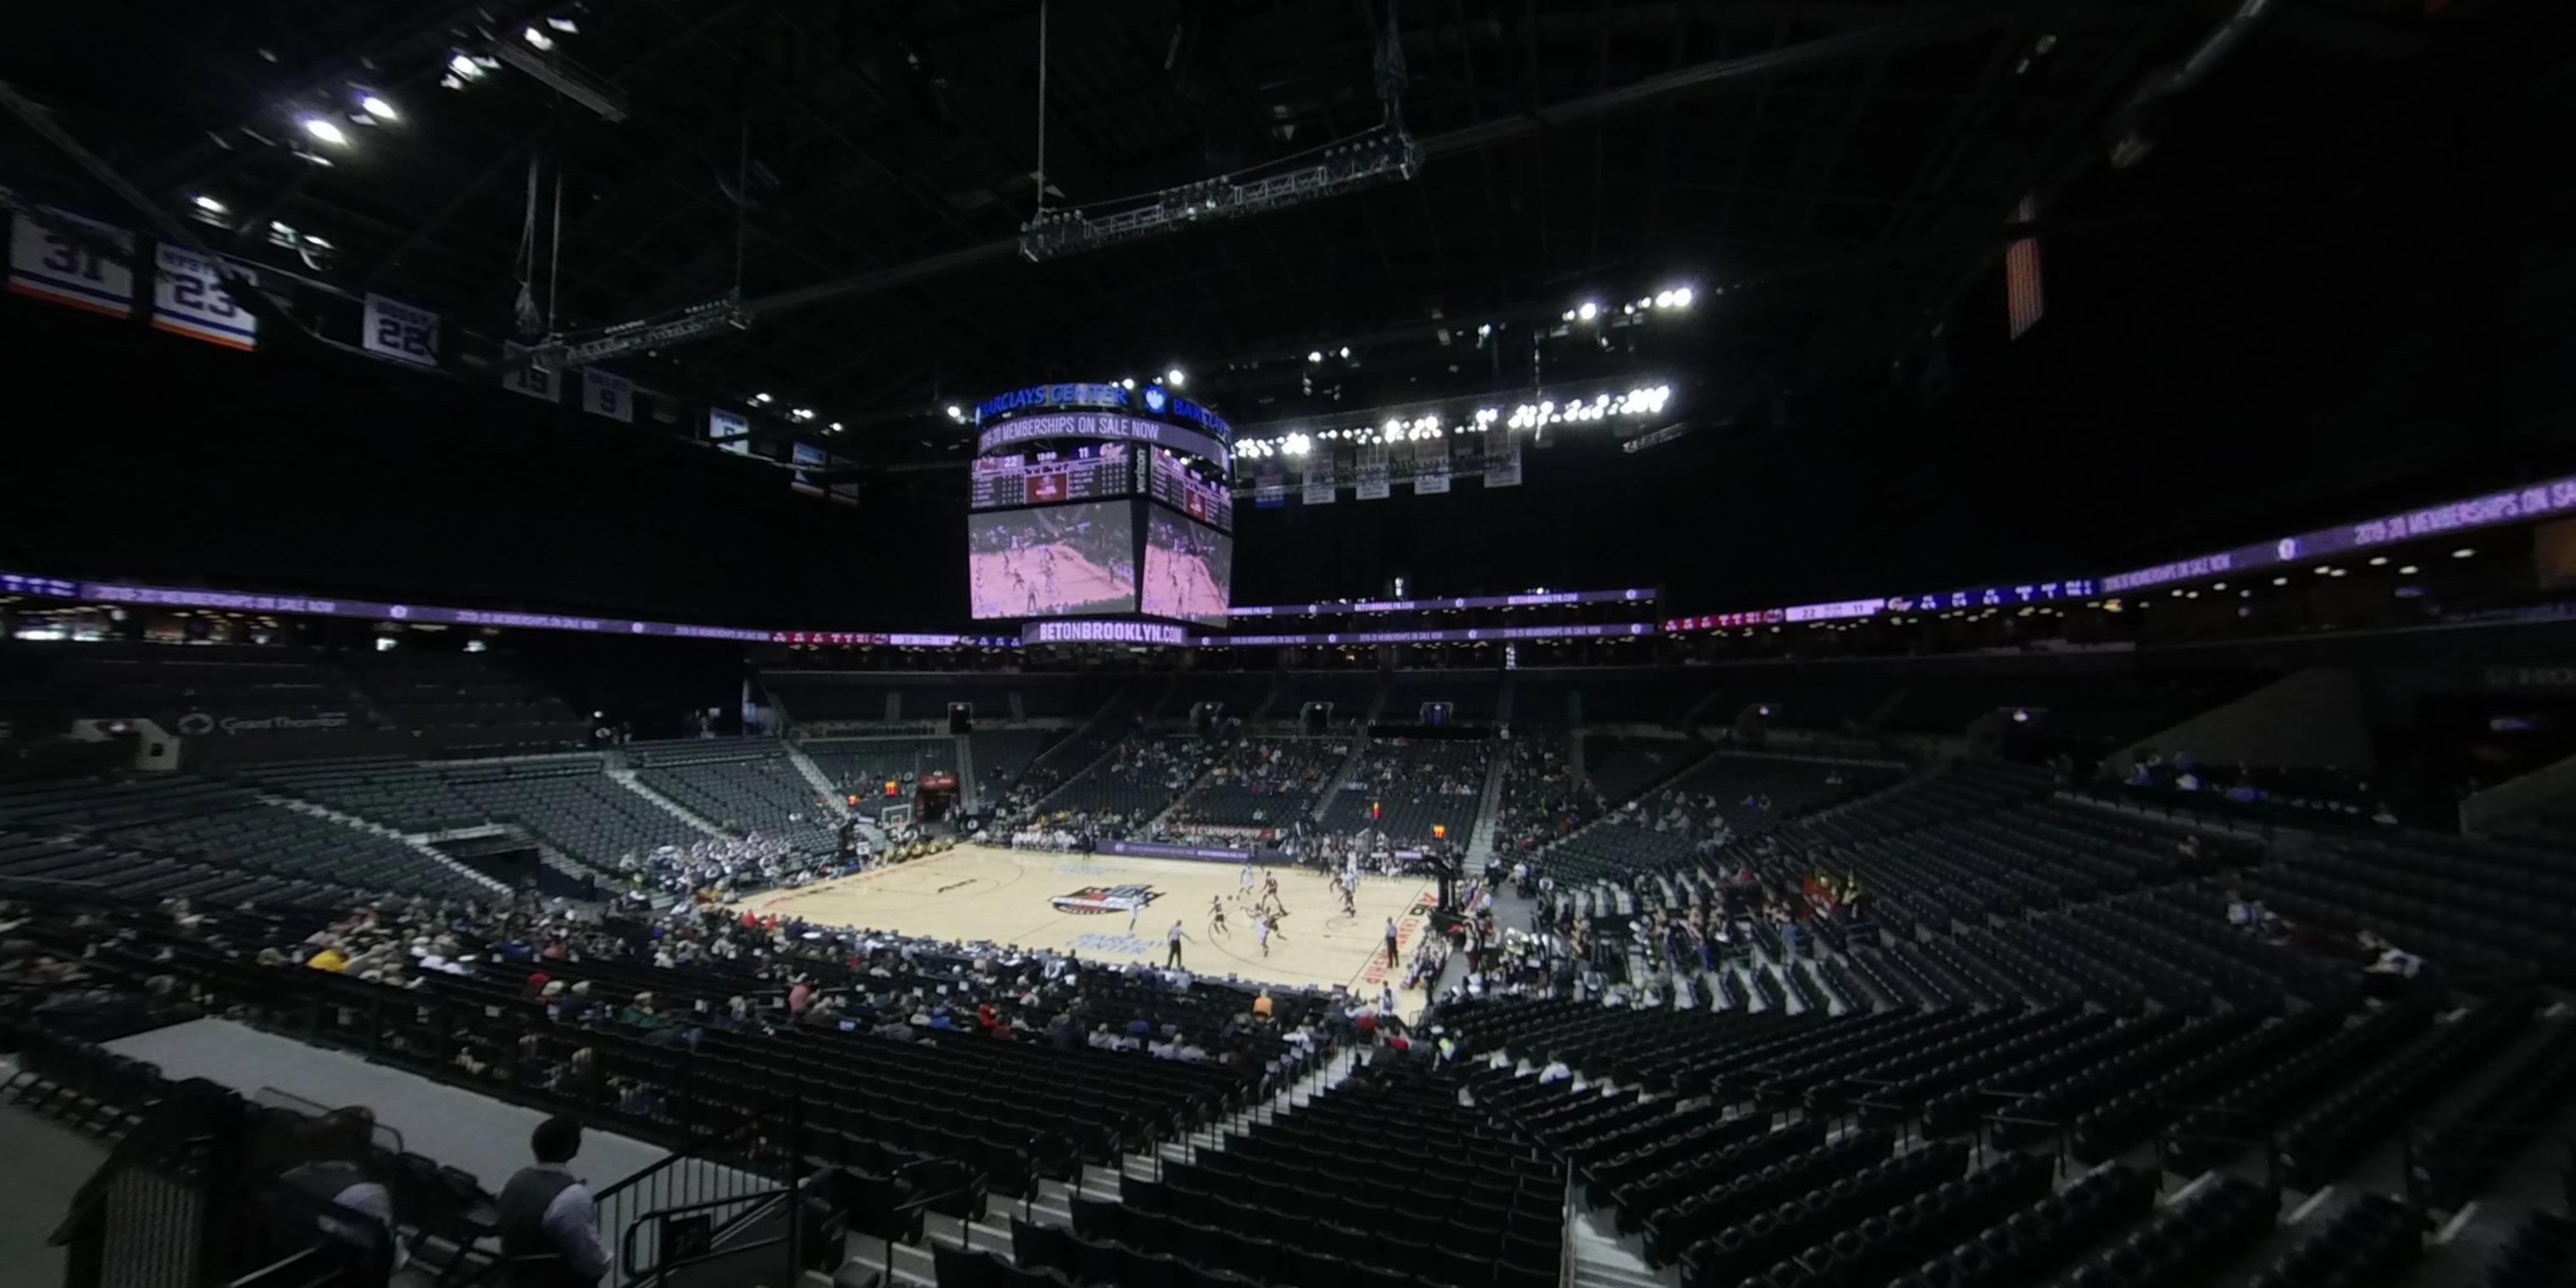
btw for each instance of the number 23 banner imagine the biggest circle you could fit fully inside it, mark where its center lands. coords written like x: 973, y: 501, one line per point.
x: 189, y: 298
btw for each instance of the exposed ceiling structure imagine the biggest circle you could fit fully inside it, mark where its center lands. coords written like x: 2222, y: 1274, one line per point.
x: 1832, y: 177
x: 1838, y: 164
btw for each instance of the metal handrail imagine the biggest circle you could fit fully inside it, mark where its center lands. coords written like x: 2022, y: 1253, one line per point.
x: 758, y: 1199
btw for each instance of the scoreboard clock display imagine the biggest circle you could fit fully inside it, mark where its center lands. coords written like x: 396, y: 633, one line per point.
x: 1091, y: 472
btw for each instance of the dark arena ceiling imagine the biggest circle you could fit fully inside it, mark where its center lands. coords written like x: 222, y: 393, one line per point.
x: 2296, y: 253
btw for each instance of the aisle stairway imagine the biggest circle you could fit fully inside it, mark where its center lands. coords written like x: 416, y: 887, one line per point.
x: 913, y: 1264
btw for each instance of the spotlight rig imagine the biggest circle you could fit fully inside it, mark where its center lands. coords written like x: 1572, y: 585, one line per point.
x: 568, y: 349
x: 1382, y: 154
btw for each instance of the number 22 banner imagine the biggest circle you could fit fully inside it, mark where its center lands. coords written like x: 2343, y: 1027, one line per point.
x: 398, y: 331
x: 47, y: 261
x: 189, y: 298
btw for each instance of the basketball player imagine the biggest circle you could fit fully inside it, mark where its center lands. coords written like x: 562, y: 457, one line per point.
x: 1270, y: 893
x: 1216, y: 916
x: 1350, y: 904
x: 1173, y: 958
x: 1243, y: 892
x: 1261, y: 932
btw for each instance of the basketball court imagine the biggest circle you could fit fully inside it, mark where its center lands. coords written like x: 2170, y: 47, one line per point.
x: 1011, y: 581
x: 1080, y: 903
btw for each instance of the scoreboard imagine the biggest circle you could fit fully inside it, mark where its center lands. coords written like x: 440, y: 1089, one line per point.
x: 1091, y: 472
x: 1173, y: 485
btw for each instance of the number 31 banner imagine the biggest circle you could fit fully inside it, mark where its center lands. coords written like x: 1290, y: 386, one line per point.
x: 188, y: 298
x: 398, y: 331
x: 55, y: 265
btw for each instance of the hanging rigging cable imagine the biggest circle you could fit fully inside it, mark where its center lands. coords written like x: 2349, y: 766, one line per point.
x: 1042, y: 73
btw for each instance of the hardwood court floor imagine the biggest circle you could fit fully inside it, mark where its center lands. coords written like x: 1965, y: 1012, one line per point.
x: 1031, y: 898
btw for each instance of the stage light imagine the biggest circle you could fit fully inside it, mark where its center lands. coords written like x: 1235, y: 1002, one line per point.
x: 208, y: 204
x: 1127, y: 382
x: 537, y: 40
x: 1346, y: 351
x: 565, y: 25
x: 2464, y: 552
x: 1314, y: 355
x: 1681, y: 297
x: 2340, y: 572
x: 956, y: 412
x: 2325, y: 570
x: 450, y: 81
x: 1174, y: 378
x: 2280, y: 581
x: 1567, y: 316
x: 1484, y: 329
x: 836, y: 427
x: 2407, y: 571
x: 1297, y: 445
x: 326, y: 130
x: 2379, y: 561
x: 761, y: 398
x: 803, y: 413
x: 378, y: 108
x: 1587, y: 310
x: 466, y: 67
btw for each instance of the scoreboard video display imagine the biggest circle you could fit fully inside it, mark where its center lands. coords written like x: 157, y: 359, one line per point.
x: 1094, y: 471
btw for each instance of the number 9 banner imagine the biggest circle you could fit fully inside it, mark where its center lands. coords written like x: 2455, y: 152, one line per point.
x: 398, y: 331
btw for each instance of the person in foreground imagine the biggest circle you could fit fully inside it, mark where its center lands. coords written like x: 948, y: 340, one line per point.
x: 549, y: 1227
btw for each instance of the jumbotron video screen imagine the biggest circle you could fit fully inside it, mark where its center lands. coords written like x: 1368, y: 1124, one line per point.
x: 1061, y: 561
x: 1188, y: 567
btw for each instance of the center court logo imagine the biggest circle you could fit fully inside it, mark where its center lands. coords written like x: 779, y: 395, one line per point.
x: 1102, y: 899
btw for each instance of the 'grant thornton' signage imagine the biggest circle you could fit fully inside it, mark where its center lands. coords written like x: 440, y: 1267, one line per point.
x: 1104, y: 632
x: 1153, y: 400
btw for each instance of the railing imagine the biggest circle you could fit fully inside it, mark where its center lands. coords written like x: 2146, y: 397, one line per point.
x: 695, y: 1232
x: 739, y: 1168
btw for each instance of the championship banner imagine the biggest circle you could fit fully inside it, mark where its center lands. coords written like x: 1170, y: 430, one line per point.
x: 56, y: 266
x: 400, y: 332
x: 603, y: 394
x: 188, y: 298
x: 1269, y: 488
x: 1502, y: 458
x: 1372, y: 475
x: 1319, y: 483
x: 1430, y: 466
x: 805, y: 457
x: 1466, y: 453
x: 534, y: 381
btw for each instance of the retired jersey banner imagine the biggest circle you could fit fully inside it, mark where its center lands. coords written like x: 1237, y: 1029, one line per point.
x: 1372, y: 475
x: 534, y: 381
x: 1430, y: 466
x: 58, y: 266
x: 1502, y: 458
x: 189, y: 298
x: 1318, y: 482
x: 603, y: 394
x: 398, y: 331
x: 807, y: 459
